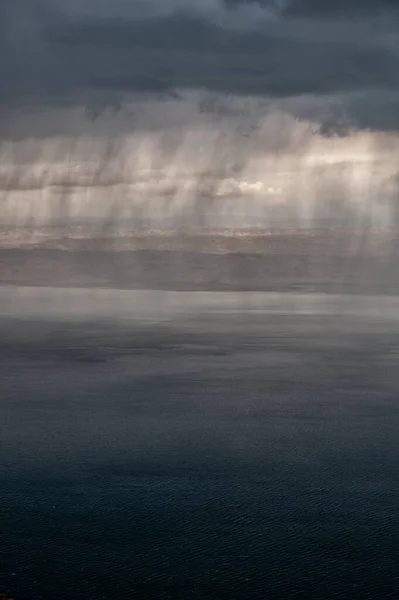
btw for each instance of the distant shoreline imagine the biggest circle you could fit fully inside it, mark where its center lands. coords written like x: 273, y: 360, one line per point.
x: 201, y: 240
x: 322, y: 261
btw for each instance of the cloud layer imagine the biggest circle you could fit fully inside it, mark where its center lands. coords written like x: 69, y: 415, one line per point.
x: 220, y: 113
x: 99, y: 53
x: 241, y: 164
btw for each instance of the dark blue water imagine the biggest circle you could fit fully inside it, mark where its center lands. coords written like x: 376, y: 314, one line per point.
x: 234, y: 457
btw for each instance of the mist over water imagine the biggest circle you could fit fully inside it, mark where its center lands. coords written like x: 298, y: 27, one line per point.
x: 191, y: 162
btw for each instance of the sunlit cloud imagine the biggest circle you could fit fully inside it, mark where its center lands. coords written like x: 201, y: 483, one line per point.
x: 253, y: 166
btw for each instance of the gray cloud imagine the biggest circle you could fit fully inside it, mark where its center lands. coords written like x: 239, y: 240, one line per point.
x: 339, y: 8
x: 98, y: 53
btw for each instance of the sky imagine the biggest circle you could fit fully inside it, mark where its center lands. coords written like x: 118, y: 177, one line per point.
x: 101, y: 51
x: 300, y: 71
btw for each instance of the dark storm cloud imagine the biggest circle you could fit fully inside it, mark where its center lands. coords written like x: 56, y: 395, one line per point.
x: 338, y: 8
x: 98, y: 52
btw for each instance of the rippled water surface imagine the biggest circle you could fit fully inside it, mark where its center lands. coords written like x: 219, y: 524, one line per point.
x: 232, y: 455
